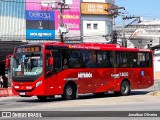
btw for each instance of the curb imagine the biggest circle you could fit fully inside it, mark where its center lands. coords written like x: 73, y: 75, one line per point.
x: 5, y: 92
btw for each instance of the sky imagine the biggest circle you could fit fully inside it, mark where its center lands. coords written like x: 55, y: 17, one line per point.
x: 147, y: 9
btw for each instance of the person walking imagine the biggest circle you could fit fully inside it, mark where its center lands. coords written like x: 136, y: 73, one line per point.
x: 5, y: 82
x: 1, y: 81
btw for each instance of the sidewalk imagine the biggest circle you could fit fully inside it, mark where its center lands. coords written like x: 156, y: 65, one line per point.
x: 5, y: 92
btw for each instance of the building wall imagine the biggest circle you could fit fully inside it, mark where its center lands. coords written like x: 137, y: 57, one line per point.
x: 12, y: 20
x: 17, y: 25
x: 156, y: 64
x: 94, y: 28
x: 95, y: 21
x: 142, y: 34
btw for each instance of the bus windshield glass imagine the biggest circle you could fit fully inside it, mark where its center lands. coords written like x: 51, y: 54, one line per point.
x: 27, y: 63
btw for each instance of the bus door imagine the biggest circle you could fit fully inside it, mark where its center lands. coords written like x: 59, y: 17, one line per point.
x: 53, y: 67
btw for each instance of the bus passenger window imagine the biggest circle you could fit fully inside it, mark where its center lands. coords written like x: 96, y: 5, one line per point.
x: 91, y: 59
x: 108, y: 63
x: 124, y: 62
x: 134, y: 63
x: 75, y: 59
x: 65, y: 66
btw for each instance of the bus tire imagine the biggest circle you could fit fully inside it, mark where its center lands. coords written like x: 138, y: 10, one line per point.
x: 69, y: 92
x: 42, y: 98
x: 125, y: 88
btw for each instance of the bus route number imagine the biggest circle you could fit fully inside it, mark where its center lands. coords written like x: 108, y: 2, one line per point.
x: 123, y: 74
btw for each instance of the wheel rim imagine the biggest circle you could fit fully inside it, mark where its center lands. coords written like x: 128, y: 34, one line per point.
x: 69, y: 91
x: 125, y: 88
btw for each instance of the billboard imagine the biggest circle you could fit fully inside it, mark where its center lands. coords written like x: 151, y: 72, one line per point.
x: 95, y: 8
x: 40, y: 25
x: 43, y: 15
x: 35, y: 34
x: 71, y: 19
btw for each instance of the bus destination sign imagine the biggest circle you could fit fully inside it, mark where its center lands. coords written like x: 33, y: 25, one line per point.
x: 28, y: 49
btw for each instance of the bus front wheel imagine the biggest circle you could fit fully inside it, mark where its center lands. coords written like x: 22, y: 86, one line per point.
x: 69, y: 92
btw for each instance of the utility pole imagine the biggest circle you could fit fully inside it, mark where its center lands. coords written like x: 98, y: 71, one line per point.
x: 124, y: 41
x: 63, y: 29
x: 113, y: 10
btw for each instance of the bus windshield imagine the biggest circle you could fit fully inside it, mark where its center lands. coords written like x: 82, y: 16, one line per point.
x: 27, y: 64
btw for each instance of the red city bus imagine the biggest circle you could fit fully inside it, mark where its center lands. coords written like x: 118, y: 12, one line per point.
x: 55, y: 68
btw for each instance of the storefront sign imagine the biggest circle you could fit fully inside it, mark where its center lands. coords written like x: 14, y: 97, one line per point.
x: 95, y: 8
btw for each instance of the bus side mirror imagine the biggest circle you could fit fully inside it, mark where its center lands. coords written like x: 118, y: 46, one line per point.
x: 51, y: 61
x: 7, y: 63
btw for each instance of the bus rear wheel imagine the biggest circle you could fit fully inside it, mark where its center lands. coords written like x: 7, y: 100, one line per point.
x: 69, y: 92
x: 42, y: 98
x: 124, y: 90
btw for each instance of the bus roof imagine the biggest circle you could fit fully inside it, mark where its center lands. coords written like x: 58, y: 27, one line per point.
x: 93, y: 46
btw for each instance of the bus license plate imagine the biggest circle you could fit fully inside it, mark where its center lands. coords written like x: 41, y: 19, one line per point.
x: 22, y: 93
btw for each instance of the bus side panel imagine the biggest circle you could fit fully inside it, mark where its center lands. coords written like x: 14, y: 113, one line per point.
x: 84, y: 79
x: 93, y: 80
x: 53, y: 84
x: 146, y: 78
x: 56, y: 83
x: 105, y: 82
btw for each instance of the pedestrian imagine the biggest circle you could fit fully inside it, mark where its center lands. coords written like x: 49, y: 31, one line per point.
x: 1, y: 81
x: 5, y: 82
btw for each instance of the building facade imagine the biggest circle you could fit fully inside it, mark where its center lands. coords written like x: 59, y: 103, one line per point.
x: 38, y: 20
x: 143, y: 34
x: 12, y: 20
x: 96, y: 22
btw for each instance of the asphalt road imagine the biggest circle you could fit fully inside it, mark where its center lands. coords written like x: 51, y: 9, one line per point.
x: 137, y: 101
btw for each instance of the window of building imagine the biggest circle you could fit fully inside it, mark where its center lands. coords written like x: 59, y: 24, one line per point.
x: 95, y: 26
x: 88, y: 25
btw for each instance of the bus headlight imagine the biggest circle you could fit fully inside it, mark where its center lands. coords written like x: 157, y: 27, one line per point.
x: 38, y: 83
x: 16, y: 87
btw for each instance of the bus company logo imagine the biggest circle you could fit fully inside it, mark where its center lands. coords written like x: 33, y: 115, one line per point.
x: 115, y: 75
x: 84, y: 75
